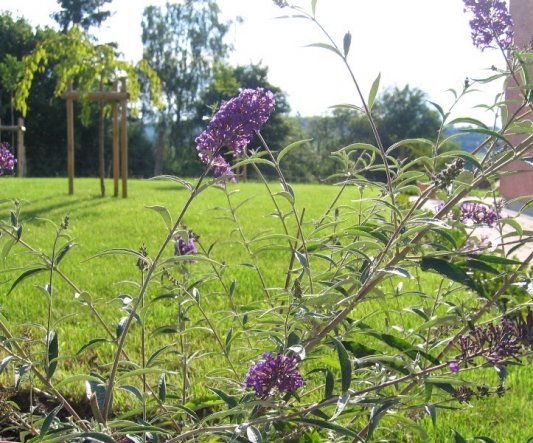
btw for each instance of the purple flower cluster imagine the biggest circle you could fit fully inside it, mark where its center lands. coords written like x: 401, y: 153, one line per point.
x: 274, y: 373
x: 233, y: 127
x: 498, y: 342
x: 479, y: 214
x: 182, y: 247
x: 491, y: 23
x: 7, y: 159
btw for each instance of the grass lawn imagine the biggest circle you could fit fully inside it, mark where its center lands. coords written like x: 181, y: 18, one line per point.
x: 99, y: 224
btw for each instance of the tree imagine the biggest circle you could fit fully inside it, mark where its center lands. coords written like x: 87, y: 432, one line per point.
x: 181, y: 42
x: 404, y: 113
x: 84, y: 13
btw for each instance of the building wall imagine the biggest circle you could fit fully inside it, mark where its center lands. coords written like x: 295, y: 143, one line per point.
x: 520, y: 182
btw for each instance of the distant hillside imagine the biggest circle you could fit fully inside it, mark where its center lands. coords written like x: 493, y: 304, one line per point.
x: 467, y: 140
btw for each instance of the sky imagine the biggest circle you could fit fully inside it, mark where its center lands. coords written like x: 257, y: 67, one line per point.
x: 423, y: 43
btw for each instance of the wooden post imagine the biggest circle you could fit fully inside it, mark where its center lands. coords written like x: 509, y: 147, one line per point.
x: 115, y: 143
x: 70, y: 141
x: 101, y: 148
x: 124, y: 142
x: 21, y: 149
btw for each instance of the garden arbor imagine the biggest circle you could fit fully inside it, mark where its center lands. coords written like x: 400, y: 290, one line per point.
x: 120, y: 133
x: 20, y: 129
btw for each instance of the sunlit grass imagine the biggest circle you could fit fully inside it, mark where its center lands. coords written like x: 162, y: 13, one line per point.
x: 99, y: 224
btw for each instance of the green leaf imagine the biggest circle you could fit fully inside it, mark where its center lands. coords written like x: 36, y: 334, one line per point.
x: 228, y: 399
x: 63, y: 251
x: 162, y: 388
x: 325, y: 46
x: 53, y: 353
x: 76, y: 378
x: 374, y: 91
x: 290, y: 147
x: 397, y: 271
x: 24, y: 276
x: 20, y: 373
x: 471, y: 121
x: 439, y: 109
x: 253, y: 434
x: 345, y: 364
x: 5, y: 362
x: 93, y: 342
x: 48, y: 421
x: 302, y: 259
x: 488, y: 132
x: 450, y: 271
x: 313, y: 7
x: 253, y: 160
x: 496, y: 259
x: 164, y: 213
x: 133, y: 390
x: 458, y: 438
x: 432, y: 412
x: 346, y: 43
x: 326, y: 425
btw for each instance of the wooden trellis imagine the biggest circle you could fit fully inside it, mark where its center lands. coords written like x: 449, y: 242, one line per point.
x: 120, y: 133
x: 20, y: 129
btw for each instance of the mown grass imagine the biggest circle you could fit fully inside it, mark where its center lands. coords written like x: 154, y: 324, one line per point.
x: 99, y: 224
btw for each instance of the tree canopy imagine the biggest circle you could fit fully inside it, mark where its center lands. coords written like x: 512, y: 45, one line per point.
x: 182, y: 42
x: 83, y: 13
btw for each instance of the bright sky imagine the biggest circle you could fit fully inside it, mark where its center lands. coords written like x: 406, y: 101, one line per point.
x: 425, y: 43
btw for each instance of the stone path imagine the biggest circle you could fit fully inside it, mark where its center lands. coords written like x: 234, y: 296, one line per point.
x: 493, y: 234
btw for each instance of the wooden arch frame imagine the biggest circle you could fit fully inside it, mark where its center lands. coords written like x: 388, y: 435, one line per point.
x: 120, y: 132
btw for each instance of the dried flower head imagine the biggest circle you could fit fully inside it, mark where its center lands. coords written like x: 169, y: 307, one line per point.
x: 7, y: 159
x: 270, y: 374
x: 142, y: 264
x: 233, y: 127
x: 492, y: 25
x: 497, y: 342
x: 445, y: 177
x: 185, y: 247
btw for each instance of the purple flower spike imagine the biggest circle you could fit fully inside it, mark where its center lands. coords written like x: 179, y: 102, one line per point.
x: 454, y: 367
x: 182, y: 247
x: 274, y: 373
x: 233, y: 127
x: 491, y: 23
x: 7, y: 159
x: 479, y: 214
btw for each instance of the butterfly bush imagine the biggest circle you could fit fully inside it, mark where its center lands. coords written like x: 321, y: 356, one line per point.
x: 491, y: 23
x: 186, y: 247
x: 7, y: 159
x: 233, y: 127
x: 479, y: 214
x: 274, y: 374
x: 371, y: 307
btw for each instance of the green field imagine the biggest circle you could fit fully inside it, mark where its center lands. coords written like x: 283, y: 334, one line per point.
x: 98, y: 224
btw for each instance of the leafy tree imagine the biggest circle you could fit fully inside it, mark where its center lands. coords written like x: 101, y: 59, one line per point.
x: 404, y: 113
x: 84, y: 13
x: 181, y: 42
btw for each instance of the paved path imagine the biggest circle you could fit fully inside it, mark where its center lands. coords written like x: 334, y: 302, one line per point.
x: 493, y: 234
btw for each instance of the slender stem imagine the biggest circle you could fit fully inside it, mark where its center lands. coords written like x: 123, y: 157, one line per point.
x: 286, y: 187
x: 248, y: 249
x: 142, y: 292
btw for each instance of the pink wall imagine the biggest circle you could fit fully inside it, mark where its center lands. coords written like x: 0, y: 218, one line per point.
x: 520, y: 182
